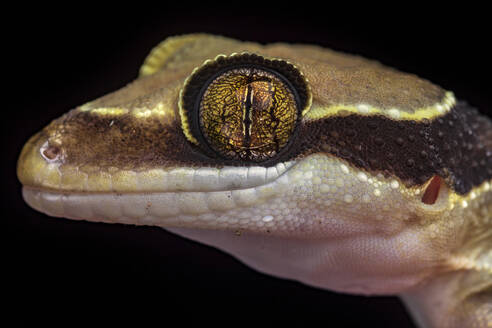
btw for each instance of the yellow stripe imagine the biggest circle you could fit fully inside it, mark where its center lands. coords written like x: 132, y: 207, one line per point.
x: 112, y: 111
x: 431, y: 112
x: 159, y: 110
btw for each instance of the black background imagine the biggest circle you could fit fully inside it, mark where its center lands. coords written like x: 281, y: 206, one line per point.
x: 58, y: 58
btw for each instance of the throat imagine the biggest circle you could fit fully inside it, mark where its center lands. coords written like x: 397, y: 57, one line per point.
x: 329, y: 263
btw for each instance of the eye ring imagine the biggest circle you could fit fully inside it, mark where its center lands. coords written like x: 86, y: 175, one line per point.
x: 243, y: 107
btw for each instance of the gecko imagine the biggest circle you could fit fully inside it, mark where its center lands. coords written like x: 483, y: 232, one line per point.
x: 302, y: 162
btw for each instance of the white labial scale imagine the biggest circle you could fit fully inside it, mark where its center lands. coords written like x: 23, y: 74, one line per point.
x: 76, y: 207
x: 108, y: 208
x: 193, y: 203
x: 52, y: 203
x: 163, y: 205
x: 206, y: 178
x: 271, y: 173
x: 152, y: 179
x: 257, y: 175
x: 180, y: 179
x: 33, y: 198
x: 121, y: 180
x: 135, y: 210
x: 233, y: 177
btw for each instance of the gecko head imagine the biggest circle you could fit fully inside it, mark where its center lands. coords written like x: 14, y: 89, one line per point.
x: 231, y: 149
x: 273, y: 160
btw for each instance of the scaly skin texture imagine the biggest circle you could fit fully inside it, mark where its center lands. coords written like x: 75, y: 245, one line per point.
x: 383, y: 188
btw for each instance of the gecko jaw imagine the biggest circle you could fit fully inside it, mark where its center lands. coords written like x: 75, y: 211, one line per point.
x: 313, y: 197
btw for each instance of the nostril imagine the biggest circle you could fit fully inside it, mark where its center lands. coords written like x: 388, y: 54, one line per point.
x: 50, y: 152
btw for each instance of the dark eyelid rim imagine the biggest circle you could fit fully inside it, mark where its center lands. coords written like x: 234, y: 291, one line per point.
x: 200, y: 80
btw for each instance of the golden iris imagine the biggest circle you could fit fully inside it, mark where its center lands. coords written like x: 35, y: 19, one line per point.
x: 248, y: 114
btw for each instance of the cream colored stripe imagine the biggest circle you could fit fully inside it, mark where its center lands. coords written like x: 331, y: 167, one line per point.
x: 437, y: 110
x: 160, y: 110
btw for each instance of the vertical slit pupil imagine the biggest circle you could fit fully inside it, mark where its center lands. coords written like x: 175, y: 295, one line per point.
x: 247, y: 121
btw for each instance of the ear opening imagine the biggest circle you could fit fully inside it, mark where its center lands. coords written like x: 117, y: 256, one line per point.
x: 432, y: 190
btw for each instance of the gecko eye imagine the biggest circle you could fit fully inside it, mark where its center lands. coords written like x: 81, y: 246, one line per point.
x: 243, y: 107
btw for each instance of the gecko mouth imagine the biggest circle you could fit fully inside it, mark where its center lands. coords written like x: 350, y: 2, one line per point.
x: 277, y: 204
x: 156, y: 197
x: 187, y: 196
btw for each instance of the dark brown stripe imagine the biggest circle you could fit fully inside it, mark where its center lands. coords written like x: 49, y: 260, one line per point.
x: 452, y: 146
